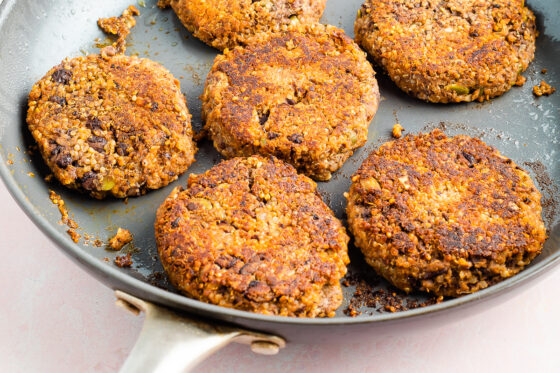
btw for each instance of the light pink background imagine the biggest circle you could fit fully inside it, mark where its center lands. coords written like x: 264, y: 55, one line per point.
x: 56, y: 318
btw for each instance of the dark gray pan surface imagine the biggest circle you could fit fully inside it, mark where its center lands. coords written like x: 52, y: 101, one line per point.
x: 36, y: 35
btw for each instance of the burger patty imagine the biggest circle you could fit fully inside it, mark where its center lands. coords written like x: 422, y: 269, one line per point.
x: 227, y: 23
x: 306, y: 96
x: 252, y: 234
x: 448, y: 216
x: 111, y: 124
x: 449, y: 51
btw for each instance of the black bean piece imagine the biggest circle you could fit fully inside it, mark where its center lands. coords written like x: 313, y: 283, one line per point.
x: 175, y: 223
x: 88, y: 180
x: 407, y: 227
x: 296, y: 138
x: 470, y: 158
x: 57, y: 148
x: 122, y: 149
x: 263, y: 118
x: 191, y: 206
x: 58, y: 100
x: 248, y: 269
x: 97, y: 143
x: 62, y: 76
x: 63, y: 160
x: 93, y: 123
x: 366, y: 215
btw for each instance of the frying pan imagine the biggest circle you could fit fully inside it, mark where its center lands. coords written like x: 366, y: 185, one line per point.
x: 178, y: 331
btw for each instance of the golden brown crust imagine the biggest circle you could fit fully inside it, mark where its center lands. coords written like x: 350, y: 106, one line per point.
x: 449, y: 51
x: 227, y: 23
x: 111, y: 126
x: 305, y: 97
x: 252, y: 234
x: 445, y: 215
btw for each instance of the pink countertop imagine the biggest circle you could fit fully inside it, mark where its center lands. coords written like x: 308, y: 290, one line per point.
x: 56, y: 318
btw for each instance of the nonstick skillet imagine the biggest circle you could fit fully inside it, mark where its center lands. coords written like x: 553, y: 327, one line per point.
x: 36, y: 35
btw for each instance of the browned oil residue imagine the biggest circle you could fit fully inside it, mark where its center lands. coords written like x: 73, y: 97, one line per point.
x: 549, y: 191
x: 158, y: 279
x: 380, y: 300
x: 194, y: 74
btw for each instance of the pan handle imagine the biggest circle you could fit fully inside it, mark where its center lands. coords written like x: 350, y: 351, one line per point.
x: 172, y: 343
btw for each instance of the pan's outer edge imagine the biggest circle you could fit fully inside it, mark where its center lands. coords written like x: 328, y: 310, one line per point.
x: 117, y: 280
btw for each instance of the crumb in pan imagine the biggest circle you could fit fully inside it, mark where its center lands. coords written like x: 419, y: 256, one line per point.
x: 543, y: 89
x: 65, y: 217
x: 397, y: 131
x: 119, y: 26
x: 121, y: 238
x: 382, y: 301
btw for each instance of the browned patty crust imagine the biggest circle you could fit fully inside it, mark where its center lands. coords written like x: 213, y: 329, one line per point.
x: 305, y: 96
x: 449, y: 51
x: 252, y: 234
x: 111, y: 126
x: 228, y: 23
x: 444, y: 215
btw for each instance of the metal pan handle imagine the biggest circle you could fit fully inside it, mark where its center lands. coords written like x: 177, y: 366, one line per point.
x: 171, y: 342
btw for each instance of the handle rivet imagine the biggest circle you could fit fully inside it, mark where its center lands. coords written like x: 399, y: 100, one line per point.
x: 264, y: 347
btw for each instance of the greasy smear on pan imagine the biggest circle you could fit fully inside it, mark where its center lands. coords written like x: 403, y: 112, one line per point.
x: 549, y: 191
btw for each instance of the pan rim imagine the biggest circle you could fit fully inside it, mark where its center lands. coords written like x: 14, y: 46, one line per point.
x: 101, y: 269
